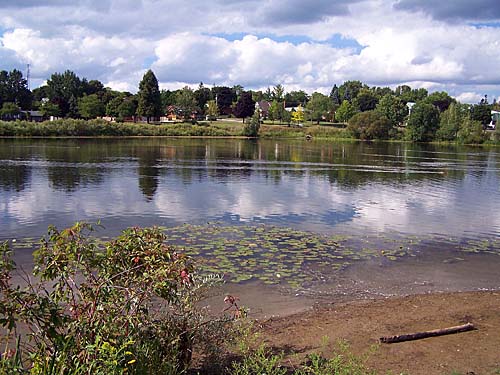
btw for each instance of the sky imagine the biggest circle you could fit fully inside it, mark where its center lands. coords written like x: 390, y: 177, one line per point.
x: 451, y: 46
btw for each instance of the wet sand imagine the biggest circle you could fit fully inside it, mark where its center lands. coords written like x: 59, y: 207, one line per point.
x: 378, y: 298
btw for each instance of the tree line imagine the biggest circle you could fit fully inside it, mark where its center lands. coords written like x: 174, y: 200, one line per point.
x: 372, y: 112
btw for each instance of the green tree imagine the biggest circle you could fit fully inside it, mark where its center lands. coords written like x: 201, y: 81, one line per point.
x: 167, y: 98
x: 212, y: 110
x: 366, y: 100
x: 275, y: 111
x: 449, y: 122
x: 89, y: 106
x: 149, y: 98
x: 471, y: 132
x: 185, y: 99
x: 349, y: 90
x: 278, y: 93
x: 319, y: 107
x: 294, y: 98
x: 286, y: 117
x: 14, y: 89
x: 112, y: 106
x: 423, y: 122
x: 93, y: 86
x: 202, y: 96
x: 345, y: 111
x: 440, y: 99
x: 50, y: 109
x: 335, y: 96
x: 128, y: 107
x: 245, y: 106
x: 481, y: 112
x: 267, y: 95
x: 9, y: 111
x: 407, y: 94
x: 252, y: 127
x: 64, y: 90
x: 370, y: 125
x: 393, y: 108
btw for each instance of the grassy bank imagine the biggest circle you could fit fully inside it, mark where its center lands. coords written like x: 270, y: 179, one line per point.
x: 100, y: 128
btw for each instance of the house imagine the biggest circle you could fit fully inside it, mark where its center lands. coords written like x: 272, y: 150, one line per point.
x: 263, y: 107
x: 34, y: 116
x: 495, y: 117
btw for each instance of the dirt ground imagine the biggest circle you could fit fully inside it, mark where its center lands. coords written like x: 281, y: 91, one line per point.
x: 362, y: 323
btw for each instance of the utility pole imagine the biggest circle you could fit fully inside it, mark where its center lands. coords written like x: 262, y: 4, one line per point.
x: 28, y: 75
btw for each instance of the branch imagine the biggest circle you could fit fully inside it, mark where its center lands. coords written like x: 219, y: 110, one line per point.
x: 425, y: 334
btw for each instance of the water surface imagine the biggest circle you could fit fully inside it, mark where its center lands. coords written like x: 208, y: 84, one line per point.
x: 324, y: 187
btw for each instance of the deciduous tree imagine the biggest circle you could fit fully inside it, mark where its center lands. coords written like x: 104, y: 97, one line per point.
x: 14, y: 89
x: 423, y: 122
x: 449, y: 122
x: 212, y: 110
x: 64, y: 90
x: 345, y: 111
x: 319, y: 107
x: 186, y: 101
x: 245, y: 106
x: 298, y: 115
x: 370, y: 125
x: 89, y: 106
x: 393, y: 108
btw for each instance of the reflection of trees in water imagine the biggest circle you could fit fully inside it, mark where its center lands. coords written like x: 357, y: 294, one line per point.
x: 72, y: 178
x: 148, y: 170
x: 349, y: 164
x: 14, y: 177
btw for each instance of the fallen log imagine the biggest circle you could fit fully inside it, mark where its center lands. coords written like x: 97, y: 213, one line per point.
x: 425, y: 334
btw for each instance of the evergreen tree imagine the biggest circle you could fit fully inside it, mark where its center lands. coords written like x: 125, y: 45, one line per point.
x: 252, y: 128
x: 335, y: 96
x: 149, y: 98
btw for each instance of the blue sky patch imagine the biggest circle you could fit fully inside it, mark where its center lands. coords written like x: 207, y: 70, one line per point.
x: 148, y: 61
x: 336, y: 41
x: 485, y: 24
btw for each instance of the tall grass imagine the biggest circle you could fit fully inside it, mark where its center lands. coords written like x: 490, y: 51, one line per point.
x: 101, y: 128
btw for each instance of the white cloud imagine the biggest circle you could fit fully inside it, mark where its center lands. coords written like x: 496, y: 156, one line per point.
x: 109, y: 59
x: 116, y: 40
x: 469, y: 97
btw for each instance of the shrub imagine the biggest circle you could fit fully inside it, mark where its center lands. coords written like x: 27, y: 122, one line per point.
x: 126, y: 306
x: 369, y: 125
x: 471, y: 132
x: 252, y: 127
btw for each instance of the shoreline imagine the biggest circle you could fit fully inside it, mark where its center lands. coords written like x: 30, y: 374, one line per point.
x: 362, y: 322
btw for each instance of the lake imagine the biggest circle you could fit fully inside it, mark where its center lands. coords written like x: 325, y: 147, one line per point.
x: 333, y: 203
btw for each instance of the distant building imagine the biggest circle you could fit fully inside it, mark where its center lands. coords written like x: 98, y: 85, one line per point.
x: 410, y: 106
x: 35, y: 116
x: 263, y: 106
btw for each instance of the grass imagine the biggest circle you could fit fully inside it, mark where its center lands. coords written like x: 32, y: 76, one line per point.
x: 101, y: 128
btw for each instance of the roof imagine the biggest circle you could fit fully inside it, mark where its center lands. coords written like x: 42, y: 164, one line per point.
x: 34, y: 113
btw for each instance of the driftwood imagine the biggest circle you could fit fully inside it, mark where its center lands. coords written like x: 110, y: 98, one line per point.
x: 423, y: 335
